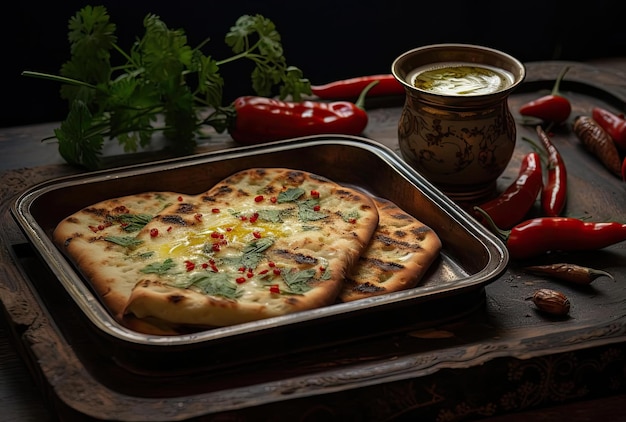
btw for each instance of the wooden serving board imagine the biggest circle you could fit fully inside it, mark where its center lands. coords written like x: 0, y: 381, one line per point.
x: 501, y: 357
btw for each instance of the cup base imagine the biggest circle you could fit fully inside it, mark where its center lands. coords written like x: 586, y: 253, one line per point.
x: 471, y: 195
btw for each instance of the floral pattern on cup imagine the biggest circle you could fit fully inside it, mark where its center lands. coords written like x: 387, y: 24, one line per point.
x: 442, y: 148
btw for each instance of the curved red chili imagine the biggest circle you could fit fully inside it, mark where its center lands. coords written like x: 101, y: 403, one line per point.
x: 550, y: 108
x: 546, y: 234
x: 540, y: 235
x: 612, y: 123
x: 510, y: 207
x: 262, y: 119
x: 351, y: 88
x: 554, y: 194
x: 624, y: 170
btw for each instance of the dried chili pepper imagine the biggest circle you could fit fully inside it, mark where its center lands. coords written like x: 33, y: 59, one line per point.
x: 569, y: 272
x: 352, y: 88
x: 554, y: 194
x: 597, y: 141
x: 510, y: 207
x: 261, y: 119
x: 540, y: 235
x: 553, y: 108
x: 613, y: 124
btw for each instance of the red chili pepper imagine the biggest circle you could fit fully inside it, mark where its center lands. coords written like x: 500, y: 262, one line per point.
x: 262, y: 119
x: 613, y: 124
x: 352, y: 88
x: 554, y: 194
x: 510, y: 207
x: 624, y: 170
x: 553, y: 108
x: 540, y: 235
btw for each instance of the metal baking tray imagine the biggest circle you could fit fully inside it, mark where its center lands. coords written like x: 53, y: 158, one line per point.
x: 471, y: 256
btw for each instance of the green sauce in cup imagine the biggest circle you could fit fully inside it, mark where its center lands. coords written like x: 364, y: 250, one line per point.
x: 461, y: 79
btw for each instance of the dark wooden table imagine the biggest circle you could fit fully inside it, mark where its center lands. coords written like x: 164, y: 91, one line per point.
x: 505, y: 362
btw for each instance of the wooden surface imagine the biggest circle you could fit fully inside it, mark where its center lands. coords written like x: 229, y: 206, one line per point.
x: 557, y: 363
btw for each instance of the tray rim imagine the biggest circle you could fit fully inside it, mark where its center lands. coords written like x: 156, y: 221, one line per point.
x: 497, y: 261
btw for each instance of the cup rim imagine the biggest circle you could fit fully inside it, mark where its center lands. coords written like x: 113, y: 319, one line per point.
x: 447, y: 52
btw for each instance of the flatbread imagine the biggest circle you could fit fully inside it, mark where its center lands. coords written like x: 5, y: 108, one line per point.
x: 400, y: 252
x: 98, y: 240
x: 261, y: 243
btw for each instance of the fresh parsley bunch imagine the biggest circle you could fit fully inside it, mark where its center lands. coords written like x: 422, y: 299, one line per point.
x: 161, y: 84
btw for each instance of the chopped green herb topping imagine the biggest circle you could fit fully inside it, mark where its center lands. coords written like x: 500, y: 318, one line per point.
x: 215, y: 284
x: 306, y: 211
x: 274, y: 216
x: 290, y: 195
x: 298, y: 281
x: 352, y: 215
x: 159, y: 267
x: 253, y: 252
x: 125, y: 241
x: 134, y: 222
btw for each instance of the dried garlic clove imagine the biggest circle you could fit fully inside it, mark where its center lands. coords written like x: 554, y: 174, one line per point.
x: 551, y: 301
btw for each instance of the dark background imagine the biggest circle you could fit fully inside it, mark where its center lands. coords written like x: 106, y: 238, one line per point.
x: 328, y: 40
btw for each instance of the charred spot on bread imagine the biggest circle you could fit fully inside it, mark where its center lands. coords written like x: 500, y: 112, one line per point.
x: 364, y: 288
x: 175, y: 298
x: 384, y: 265
x: 185, y: 208
x: 173, y: 219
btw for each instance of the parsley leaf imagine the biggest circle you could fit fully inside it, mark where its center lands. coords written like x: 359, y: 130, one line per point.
x: 126, y: 241
x: 79, y: 143
x: 298, y: 281
x: 159, y: 267
x: 290, y: 195
x: 92, y: 37
x: 274, y: 216
x: 134, y: 222
x: 306, y: 211
x: 352, y: 215
x: 253, y: 252
x: 216, y: 284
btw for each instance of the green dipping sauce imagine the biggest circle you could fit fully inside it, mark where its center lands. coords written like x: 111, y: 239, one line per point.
x: 461, y: 79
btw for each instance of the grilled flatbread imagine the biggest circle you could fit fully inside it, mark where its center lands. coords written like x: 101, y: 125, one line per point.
x: 101, y: 241
x: 261, y: 243
x: 397, y: 257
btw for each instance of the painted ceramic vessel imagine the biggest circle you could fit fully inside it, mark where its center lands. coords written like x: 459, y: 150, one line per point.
x: 456, y: 127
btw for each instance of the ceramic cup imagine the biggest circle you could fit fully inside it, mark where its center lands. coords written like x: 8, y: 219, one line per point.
x: 456, y: 128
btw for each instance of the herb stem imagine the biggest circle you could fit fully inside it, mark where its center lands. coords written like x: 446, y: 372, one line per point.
x: 57, y: 78
x: 244, y: 54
